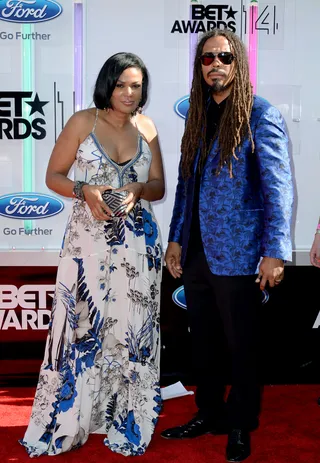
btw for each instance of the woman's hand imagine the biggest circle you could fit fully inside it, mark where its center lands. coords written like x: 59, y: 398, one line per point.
x: 135, y: 191
x: 98, y: 207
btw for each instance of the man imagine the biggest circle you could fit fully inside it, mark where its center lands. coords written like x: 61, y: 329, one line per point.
x: 232, y: 215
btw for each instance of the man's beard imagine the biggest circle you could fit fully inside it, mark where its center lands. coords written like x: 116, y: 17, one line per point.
x: 218, y: 86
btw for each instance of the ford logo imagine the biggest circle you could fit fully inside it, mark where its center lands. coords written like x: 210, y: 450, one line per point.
x: 29, y: 11
x: 265, y: 296
x: 181, y: 106
x: 179, y: 298
x: 29, y: 206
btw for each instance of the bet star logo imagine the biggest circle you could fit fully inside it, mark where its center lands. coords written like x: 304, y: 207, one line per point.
x: 231, y: 13
x: 15, y: 122
x: 204, y: 18
x: 36, y: 105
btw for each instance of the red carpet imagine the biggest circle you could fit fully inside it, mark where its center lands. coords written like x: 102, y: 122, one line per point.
x: 289, y: 431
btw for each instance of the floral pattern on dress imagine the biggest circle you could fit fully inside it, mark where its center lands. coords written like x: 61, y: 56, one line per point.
x: 100, y: 372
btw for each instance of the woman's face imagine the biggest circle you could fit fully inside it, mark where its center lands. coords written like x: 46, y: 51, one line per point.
x: 128, y: 90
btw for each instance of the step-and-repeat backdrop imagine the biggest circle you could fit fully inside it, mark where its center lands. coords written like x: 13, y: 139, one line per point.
x: 51, y: 52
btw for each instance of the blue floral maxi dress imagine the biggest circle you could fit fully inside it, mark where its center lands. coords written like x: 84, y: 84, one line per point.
x: 100, y: 372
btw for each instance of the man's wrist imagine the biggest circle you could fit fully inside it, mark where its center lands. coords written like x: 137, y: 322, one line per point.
x: 282, y: 261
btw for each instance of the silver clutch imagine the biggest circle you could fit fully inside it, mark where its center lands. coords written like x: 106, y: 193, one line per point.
x: 114, y: 200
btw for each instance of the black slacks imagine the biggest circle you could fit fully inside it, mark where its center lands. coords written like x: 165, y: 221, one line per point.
x: 224, y: 316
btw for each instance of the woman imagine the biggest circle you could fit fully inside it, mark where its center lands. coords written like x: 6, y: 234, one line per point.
x: 101, y: 368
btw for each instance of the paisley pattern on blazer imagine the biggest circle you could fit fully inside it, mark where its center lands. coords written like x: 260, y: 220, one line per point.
x: 248, y: 216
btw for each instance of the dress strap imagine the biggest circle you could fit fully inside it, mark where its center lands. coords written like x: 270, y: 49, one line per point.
x: 136, y: 126
x: 95, y: 122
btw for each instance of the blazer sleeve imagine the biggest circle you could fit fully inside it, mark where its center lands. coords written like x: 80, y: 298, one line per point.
x: 271, y: 146
x: 176, y: 224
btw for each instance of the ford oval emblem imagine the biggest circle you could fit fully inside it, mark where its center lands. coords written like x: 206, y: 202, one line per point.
x: 29, y: 11
x: 179, y: 298
x: 265, y: 296
x: 27, y: 206
x: 181, y: 107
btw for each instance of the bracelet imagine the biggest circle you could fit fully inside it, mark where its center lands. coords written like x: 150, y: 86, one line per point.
x: 317, y: 231
x: 77, y: 190
x: 318, y: 226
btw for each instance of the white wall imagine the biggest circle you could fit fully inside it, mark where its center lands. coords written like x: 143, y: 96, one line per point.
x: 288, y: 74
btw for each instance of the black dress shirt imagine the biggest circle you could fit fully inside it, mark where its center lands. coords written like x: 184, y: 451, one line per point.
x: 214, y: 113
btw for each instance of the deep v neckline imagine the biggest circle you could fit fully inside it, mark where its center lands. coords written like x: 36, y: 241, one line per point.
x: 106, y: 155
x: 105, y: 152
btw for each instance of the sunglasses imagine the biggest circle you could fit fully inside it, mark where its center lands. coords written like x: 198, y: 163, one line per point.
x: 226, y: 57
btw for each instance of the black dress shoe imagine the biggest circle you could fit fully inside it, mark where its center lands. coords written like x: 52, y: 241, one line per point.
x: 194, y: 428
x: 238, y: 447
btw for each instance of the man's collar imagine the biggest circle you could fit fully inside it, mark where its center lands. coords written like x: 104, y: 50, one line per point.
x: 212, y: 102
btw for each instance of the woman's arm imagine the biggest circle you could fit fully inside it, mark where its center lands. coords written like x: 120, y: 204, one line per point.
x: 64, y: 154
x: 154, y: 189
x: 62, y: 159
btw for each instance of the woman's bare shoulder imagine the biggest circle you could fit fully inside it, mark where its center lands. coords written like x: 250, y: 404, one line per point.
x: 82, y: 122
x: 146, y: 127
x: 84, y: 116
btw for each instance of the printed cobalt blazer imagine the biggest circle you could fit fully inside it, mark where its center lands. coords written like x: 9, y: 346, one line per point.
x: 248, y: 216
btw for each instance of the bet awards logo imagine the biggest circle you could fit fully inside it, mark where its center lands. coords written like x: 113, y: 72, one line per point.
x: 16, y: 109
x: 205, y: 18
x: 25, y: 307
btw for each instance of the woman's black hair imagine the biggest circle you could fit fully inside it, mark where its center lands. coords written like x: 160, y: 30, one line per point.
x: 109, y: 76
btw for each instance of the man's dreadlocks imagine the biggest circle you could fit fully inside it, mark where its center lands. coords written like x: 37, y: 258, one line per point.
x: 235, y: 121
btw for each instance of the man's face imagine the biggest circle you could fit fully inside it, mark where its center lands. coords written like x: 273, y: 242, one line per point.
x: 217, y: 75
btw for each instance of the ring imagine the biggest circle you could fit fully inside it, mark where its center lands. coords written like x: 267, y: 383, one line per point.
x: 277, y: 281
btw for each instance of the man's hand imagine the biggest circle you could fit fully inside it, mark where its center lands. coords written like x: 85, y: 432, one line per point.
x: 270, y: 270
x: 315, y: 251
x: 173, y: 259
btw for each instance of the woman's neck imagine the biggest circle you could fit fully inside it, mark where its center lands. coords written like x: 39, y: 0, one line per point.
x: 115, y: 118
